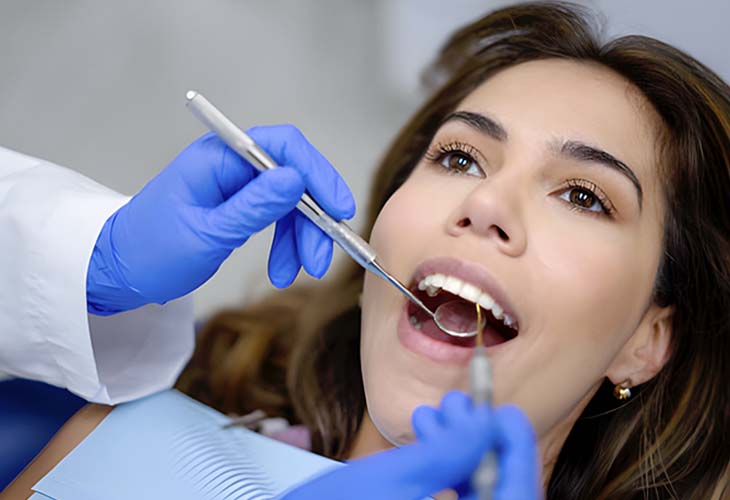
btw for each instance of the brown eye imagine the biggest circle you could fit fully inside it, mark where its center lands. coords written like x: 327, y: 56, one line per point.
x: 585, y: 196
x: 456, y: 158
x: 458, y: 162
x: 582, y: 197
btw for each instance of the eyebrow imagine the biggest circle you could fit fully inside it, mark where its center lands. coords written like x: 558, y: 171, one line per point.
x: 579, y: 151
x: 572, y: 149
x: 480, y: 122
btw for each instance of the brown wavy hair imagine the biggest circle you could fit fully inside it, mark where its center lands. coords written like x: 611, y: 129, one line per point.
x: 296, y: 353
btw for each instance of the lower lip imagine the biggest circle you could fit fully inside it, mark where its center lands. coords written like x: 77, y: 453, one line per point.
x: 441, y: 352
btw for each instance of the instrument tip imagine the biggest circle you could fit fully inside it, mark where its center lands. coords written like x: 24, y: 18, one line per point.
x: 480, y: 326
x: 190, y: 95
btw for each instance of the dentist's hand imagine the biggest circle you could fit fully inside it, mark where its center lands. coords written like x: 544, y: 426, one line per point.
x: 173, y: 235
x: 450, y: 442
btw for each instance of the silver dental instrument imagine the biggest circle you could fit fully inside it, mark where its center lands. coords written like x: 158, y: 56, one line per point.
x: 480, y: 380
x: 249, y: 420
x: 346, y: 238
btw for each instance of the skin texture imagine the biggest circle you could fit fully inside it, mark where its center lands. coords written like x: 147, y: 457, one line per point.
x: 580, y: 281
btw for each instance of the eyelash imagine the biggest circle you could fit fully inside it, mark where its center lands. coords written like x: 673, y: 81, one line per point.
x: 607, y: 208
x: 438, y: 153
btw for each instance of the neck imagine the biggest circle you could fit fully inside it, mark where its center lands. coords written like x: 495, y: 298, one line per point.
x: 367, y: 440
x: 552, y: 442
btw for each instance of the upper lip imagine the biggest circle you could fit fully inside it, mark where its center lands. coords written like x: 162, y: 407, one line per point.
x: 468, y: 272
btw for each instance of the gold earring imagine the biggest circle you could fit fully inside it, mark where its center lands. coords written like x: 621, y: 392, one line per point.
x: 622, y: 391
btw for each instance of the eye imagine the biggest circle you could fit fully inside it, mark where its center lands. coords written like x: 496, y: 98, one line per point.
x: 585, y: 196
x: 584, y: 199
x: 456, y: 158
x: 460, y: 162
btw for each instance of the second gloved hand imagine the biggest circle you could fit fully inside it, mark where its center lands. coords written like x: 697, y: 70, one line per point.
x: 174, y: 234
x: 450, y: 442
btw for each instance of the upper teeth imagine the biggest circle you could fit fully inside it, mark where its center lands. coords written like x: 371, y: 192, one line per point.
x: 434, y: 283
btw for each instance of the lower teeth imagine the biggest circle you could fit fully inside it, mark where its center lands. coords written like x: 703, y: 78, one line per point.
x: 416, y: 324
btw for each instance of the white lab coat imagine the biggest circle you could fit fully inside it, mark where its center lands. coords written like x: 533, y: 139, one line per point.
x: 50, y: 218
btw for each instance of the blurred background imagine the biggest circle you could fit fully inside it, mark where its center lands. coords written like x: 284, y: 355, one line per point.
x: 98, y: 86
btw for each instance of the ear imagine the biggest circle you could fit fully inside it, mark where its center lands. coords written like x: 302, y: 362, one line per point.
x: 647, y: 350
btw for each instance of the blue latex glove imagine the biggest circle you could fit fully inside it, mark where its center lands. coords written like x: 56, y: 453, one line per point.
x: 450, y: 442
x: 174, y: 234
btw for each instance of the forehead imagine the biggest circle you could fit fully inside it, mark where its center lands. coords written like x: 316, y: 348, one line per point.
x: 540, y: 101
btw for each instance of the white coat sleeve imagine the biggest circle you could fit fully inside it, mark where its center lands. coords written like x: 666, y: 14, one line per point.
x: 50, y: 218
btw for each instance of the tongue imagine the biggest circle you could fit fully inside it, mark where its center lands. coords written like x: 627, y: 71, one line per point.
x: 458, y: 316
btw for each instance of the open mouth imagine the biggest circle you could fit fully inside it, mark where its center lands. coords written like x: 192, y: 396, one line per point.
x: 499, y: 327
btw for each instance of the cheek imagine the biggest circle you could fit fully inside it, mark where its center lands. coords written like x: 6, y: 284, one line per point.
x: 396, y: 380
x: 587, y: 296
x: 407, y: 222
x: 599, y: 280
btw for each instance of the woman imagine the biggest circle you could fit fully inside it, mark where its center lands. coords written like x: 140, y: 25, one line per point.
x: 576, y: 189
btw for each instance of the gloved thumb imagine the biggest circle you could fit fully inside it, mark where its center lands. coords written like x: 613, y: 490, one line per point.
x: 263, y: 201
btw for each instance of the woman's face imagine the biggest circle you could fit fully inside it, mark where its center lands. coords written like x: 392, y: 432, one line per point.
x: 541, y: 192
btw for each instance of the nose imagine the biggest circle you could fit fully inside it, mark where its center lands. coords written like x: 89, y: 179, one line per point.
x: 492, y: 211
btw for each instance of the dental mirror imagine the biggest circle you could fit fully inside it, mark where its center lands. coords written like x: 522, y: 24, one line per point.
x: 457, y: 318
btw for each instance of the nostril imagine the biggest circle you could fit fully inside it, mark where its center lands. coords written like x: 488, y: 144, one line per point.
x: 502, y: 234
x: 464, y: 222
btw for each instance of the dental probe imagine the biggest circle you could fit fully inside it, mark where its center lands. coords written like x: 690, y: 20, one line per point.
x: 480, y: 379
x: 346, y: 238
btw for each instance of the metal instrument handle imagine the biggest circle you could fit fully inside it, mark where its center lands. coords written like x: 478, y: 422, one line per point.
x: 340, y: 232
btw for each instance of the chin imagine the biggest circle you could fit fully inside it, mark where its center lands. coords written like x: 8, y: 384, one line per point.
x: 392, y: 395
x: 397, y: 432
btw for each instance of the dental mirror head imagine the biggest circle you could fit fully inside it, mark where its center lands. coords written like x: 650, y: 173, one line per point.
x: 458, y: 319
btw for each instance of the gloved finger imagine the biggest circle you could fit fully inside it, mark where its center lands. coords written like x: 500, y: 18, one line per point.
x: 233, y: 172
x: 483, y: 437
x: 284, y: 262
x: 455, y: 407
x: 426, y: 421
x: 519, y: 473
x: 313, y: 245
x: 264, y: 200
x: 213, y: 170
x: 288, y: 146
